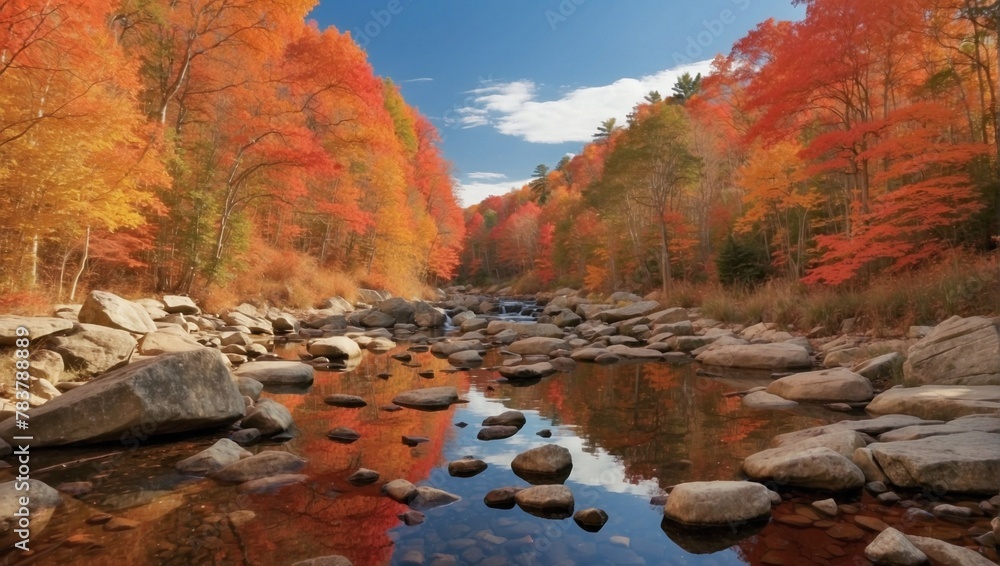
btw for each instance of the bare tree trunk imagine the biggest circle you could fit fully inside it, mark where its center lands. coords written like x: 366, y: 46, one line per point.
x: 83, y: 264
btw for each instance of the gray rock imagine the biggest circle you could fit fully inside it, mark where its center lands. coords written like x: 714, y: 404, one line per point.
x: 814, y: 468
x: 269, y: 417
x: 948, y: 554
x: 546, y: 464
x: 156, y: 343
x: 265, y: 464
x: 826, y: 506
x: 538, y: 345
x: 429, y: 398
x: 46, y: 364
x: 42, y: 503
x: 107, y: 309
x: 400, y: 490
x: 348, y: 401
x: 892, y: 547
x: 758, y: 356
x: 841, y: 440
x: 591, y: 519
x: 528, y: 371
x: 937, y: 401
x: 334, y: 347
x: 865, y: 462
x: 401, y: 310
x: 634, y: 310
x: 249, y: 387
x: 426, y: 316
x: 506, y: 418
x: 765, y: 400
x: 216, y: 457
x: 465, y: 358
x: 524, y: 329
x: 448, y: 347
x: 168, y: 394
x: 717, y: 502
x: 90, y: 349
x: 271, y: 483
x: 547, y: 501
x: 38, y: 327
x: 363, y: 476
x: 466, y: 467
x: 278, y: 373
x: 880, y: 367
x: 375, y: 319
x: 180, y: 304
x: 497, y: 432
x: 966, y: 462
x: 959, y: 351
x: 828, y: 385
x: 429, y: 498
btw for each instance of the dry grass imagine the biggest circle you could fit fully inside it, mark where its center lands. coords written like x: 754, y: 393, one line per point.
x: 963, y: 285
x: 26, y: 303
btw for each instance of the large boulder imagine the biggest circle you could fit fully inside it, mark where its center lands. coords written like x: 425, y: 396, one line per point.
x: 335, y: 347
x: 295, y: 374
x: 634, y: 310
x: 42, y: 503
x: 959, y: 351
x: 179, y: 304
x: 943, y: 402
x: 37, y: 326
x: 90, y: 349
x: 968, y: 462
x: 758, y: 356
x: 375, y: 319
x: 426, y: 316
x: 814, y: 468
x: 429, y: 398
x: 163, y: 395
x: 546, y: 464
x: 108, y: 309
x: 156, y: 343
x: 717, y: 502
x: 947, y: 554
x: 400, y: 309
x: 827, y: 385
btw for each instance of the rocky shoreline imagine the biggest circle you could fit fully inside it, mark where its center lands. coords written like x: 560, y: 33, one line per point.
x: 163, y: 367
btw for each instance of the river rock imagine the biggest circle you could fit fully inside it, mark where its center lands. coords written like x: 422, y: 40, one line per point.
x: 401, y: 310
x: 252, y: 322
x: 506, y: 418
x: 448, y: 347
x: 466, y: 467
x: 501, y: 498
x: 497, y: 432
x: 538, y: 346
x: 937, y: 401
x: 362, y: 477
x: 765, y: 400
x: 550, y: 463
x: 334, y: 347
x: 566, y: 318
x: 332, y: 560
x: 465, y: 358
x: 343, y: 435
x: 524, y: 329
x: 966, y: 462
x: 827, y: 385
x: 758, y: 356
x: 429, y: 398
x: 373, y: 319
x: 634, y: 310
x: 265, y: 464
x: 970, y: 423
x: 841, y: 440
x: 90, y: 349
x: 179, y: 304
x: 429, y: 498
x: 156, y: 343
x: 169, y: 394
x: 271, y: 483
x: 400, y: 490
x: 959, y: 351
x: 278, y: 373
x: 892, y: 547
x: 249, y: 386
x: 879, y: 367
x: 717, y: 502
x: 42, y: 503
x: 814, y: 468
x: 347, y: 401
x: 46, y: 364
x: 427, y: 316
x: 591, y: 519
x: 38, y: 327
x: 528, y: 371
x: 215, y: 457
x: 947, y: 554
x: 107, y: 309
x: 269, y: 417
x: 547, y: 501
x: 587, y: 354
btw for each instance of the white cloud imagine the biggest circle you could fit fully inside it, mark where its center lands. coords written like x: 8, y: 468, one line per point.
x: 485, y: 176
x: 418, y: 80
x: 470, y: 193
x: 513, y: 108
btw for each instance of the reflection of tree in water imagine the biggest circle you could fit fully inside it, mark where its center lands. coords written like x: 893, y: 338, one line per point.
x: 663, y: 421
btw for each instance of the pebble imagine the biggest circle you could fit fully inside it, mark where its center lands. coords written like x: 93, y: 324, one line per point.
x: 412, y: 518
x: 888, y: 498
x: 793, y: 520
x: 827, y: 506
x: 876, y: 487
x: 544, y: 433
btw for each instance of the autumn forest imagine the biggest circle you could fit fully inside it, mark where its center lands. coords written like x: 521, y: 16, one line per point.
x: 185, y: 146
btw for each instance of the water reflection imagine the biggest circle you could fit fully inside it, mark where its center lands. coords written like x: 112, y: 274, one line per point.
x: 632, y: 430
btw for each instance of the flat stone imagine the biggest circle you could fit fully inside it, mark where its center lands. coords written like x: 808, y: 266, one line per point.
x: 334, y: 347
x: 343, y: 435
x: 363, y: 476
x: 758, y: 356
x: 119, y: 524
x: 429, y: 498
x: 948, y: 554
x: 717, y: 502
x: 38, y: 327
x: 966, y: 462
x: 828, y: 385
x: 271, y: 483
x: 497, y: 432
x: 506, y: 418
x: 814, y: 468
x: 942, y: 402
x: 527, y: 371
x: 552, y: 501
x: 845, y: 531
x: 42, y: 503
x: 347, y: 401
x: 959, y: 351
x: 765, y: 400
x: 278, y: 373
x: 871, y: 523
x: 430, y: 398
x: 264, y: 464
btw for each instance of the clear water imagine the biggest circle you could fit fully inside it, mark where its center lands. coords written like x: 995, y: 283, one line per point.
x: 633, y: 431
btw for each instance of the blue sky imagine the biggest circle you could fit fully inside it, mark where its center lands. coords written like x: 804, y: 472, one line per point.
x: 514, y: 83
